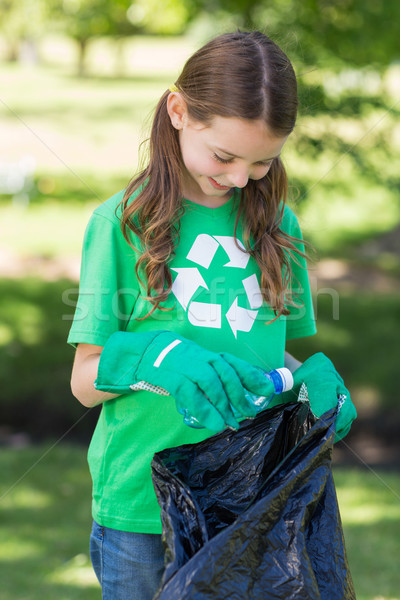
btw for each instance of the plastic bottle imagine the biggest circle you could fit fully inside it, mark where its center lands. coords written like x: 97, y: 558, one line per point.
x: 281, y: 378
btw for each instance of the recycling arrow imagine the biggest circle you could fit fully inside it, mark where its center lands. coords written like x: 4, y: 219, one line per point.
x: 203, y: 250
x: 237, y: 257
x: 253, y: 291
x: 202, y: 314
x: 186, y: 283
x: 240, y: 319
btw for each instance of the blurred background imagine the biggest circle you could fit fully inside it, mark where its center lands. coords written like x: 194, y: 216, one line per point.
x: 78, y: 82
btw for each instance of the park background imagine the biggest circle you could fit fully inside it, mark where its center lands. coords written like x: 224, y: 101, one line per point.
x: 78, y: 81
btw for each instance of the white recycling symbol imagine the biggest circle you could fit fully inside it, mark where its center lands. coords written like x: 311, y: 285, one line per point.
x: 189, y: 280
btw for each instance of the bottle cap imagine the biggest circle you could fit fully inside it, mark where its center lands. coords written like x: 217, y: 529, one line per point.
x: 282, y: 379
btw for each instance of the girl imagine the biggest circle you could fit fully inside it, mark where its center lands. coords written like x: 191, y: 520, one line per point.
x: 192, y: 279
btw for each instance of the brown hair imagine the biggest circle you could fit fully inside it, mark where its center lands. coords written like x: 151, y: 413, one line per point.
x: 242, y: 75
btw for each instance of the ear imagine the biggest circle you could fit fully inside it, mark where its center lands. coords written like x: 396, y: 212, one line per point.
x: 177, y: 110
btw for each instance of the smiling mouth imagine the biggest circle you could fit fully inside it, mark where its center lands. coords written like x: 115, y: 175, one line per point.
x: 218, y: 186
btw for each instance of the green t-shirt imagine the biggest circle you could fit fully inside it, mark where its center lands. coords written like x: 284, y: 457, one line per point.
x: 215, y: 301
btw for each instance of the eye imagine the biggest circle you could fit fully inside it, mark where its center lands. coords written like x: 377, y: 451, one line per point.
x: 224, y: 161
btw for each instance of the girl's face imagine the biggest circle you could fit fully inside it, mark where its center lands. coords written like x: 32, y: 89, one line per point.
x: 223, y: 155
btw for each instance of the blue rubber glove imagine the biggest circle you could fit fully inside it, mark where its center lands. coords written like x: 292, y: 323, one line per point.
x: 204, y: 384
x: 325, y: 390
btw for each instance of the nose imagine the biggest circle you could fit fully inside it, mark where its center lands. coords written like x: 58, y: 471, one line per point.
x: 239, y: 178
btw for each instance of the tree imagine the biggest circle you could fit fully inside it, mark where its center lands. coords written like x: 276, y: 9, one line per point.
x: 170, y: 17
x: 22, y: 22
x: 84, y: 20
x: 341, y: 32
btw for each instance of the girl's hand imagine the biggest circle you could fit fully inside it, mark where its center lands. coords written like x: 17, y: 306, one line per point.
x: 204, y: 384
x: 326, y: 390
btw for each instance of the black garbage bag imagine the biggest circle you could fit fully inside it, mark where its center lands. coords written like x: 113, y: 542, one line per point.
x: 252, y: 514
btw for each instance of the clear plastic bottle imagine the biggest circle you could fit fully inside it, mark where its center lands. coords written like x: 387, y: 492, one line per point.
x: 281, y: 378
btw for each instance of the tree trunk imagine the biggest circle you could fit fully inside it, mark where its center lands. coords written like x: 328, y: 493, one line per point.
x: 82, y: 43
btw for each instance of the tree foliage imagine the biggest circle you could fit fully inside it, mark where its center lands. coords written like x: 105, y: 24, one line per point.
x: 341, y: 32
x: 22, y: 21
x: 84, y: 19
x: 170, y: 17
x: 351, y: 32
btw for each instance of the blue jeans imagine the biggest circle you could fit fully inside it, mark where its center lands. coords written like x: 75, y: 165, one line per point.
x: 129, y: 566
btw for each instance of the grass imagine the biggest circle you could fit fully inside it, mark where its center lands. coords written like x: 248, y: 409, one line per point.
x: 34, y: 324
x: 351, y: 343
x: 370, y: 510
x: 85, y: 125
x: 45, y: 517
x: 34, y: 229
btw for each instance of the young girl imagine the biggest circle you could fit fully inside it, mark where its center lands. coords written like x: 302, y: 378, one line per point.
x: 199, y: 264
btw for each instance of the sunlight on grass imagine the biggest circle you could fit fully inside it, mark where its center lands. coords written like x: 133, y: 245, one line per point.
x: 54, y: 221
x: 49, y: 229
x: 77, y: 571
x: 372, y: 513
x: 46, y: 523
x: 339, y: 337
x: 26, y: 319
x: 26, y: 497
x: 335, y: 213
x: 19, y: 549
x: 6, y: 334
x: 146, y: 54
x: 80, y: 125
x: 370, y: 509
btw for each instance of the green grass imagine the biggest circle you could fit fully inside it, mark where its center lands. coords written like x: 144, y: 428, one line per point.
x: 86, y: 125
x: 370, y: 508
x: 35, y: 229
x: 35, y: 360
x: 45, y: 524
x: 345, y: 333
